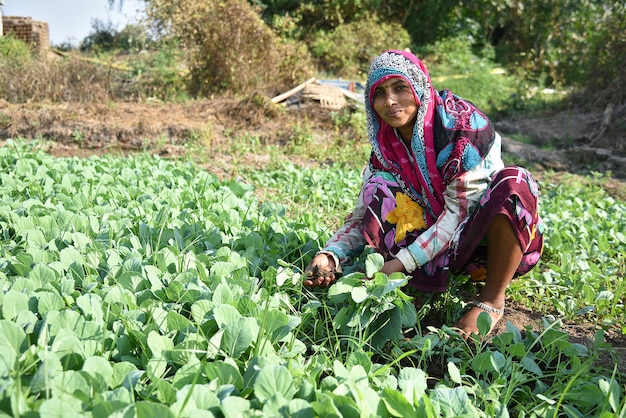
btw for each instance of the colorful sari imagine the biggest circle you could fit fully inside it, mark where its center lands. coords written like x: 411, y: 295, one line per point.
x: 512, y: 193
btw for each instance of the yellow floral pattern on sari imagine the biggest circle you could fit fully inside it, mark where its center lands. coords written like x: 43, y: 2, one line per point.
x: 408, y: 216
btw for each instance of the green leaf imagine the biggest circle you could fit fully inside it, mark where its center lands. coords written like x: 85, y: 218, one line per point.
x: 453, y: 402
x: 27, y: 321
x: 42, y: 275
x: 23, y: 263
x: 120, y: 297
x: 412, y: 383
x: 373, y: 263
x: 489, y: 361
x: 409, y: 314
x: 124, y: 373
x: 199, y: 397
x: 108, y: 408
x: 530, y: 365
x: 48, y: 301
x: 49, y: 367
x: 397, y: 405
x: 235, y: 407
x: 516, y: 350
x: 359, y: 294
x: 276, y: 324
x: 145, y: 409
x: 340, y: 291
x: 91, y: 305
x: 70, y: 382
x: 132, y: 280
x: 223, y: 295
x: 156, y: 366
x: 325, y: 407
x: 69, y: 256
x: 164, y: 391
x: 483, y: 323
x: 272, y: 380
x: 455, y: 374
x: 14, y: 303
x: 81, y: 241
x: 225, y: 314
x: 72, y: 321
x: 223, y: 269
x: 238, y: 336
x: 62, y: 407
x: 159, y: 344
x: 612, y: 391
x: 201, y: 309
x: 99, y: 366
x: 189, y: 373
x: 225, y: 373
x: 299, y: 408
x: 177, y: 322
x: 12, y: 344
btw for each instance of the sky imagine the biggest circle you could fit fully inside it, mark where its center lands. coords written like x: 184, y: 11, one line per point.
x: 70, y: 21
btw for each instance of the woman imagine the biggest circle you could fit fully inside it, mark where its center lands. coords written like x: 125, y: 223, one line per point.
x: 436, y: 198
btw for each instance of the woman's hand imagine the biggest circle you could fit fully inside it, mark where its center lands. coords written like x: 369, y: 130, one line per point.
x: 321, y: 271
x: 392, y: 266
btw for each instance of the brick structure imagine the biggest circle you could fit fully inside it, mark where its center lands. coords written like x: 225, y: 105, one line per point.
x: 34, y: 33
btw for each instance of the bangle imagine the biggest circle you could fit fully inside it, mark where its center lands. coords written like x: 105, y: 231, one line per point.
x: 488, y: 308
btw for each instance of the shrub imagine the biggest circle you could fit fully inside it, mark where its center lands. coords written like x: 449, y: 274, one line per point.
x: 102, y: 37
x: 13, y: 49
x: 55, y: 80
x: 230, y: 47
x: 471, y: 74
x: 133, y: 38
x: 105, y: 37
x: 348, y: 50
x: 158, y: 73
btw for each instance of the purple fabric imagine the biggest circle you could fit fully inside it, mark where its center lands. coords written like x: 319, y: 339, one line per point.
x: 512, y: 192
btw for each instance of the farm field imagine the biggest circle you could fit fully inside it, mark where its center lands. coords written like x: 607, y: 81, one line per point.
x: 145, y: 286
x: 163, y: 186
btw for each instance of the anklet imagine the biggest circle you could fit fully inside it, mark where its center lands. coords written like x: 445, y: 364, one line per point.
x: 488, y: 308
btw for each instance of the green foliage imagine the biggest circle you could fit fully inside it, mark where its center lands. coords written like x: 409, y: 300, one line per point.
x: 105, y: 37
x: 558, y: 43
x: 584, y: 254
x: 602, y: 77
x: 133, y: 37
x: 40, y: 78
x: 102, y: 37
x: 555, y: 42
x: 470, y: 74
x: 159, y: 72
x: 347, y: 50
x: 230, y: 48
x: 146, y: 287
x: 13, y: 49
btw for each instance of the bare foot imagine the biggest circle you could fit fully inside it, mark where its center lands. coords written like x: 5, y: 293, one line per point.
x: 467, y: 324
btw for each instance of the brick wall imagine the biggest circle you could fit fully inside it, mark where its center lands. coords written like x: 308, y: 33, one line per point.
x: 32, y: 32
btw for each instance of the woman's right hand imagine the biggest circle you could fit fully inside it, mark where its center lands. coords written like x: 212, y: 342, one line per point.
x: 321, y: 271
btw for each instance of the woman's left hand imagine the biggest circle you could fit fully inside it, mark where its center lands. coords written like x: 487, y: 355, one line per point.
x: 392, y: 266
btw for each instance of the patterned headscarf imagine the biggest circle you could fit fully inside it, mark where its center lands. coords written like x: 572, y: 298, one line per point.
x: 443, y: 119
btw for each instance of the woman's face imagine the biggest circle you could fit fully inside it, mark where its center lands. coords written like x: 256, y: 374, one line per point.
x: 395, y: 104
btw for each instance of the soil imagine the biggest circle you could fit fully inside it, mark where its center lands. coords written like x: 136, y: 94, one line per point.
x: 579, y: 142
